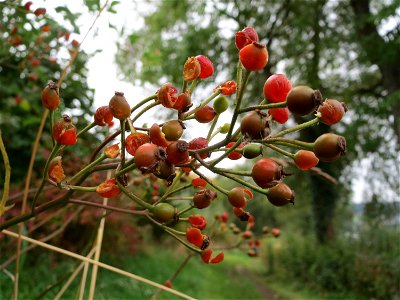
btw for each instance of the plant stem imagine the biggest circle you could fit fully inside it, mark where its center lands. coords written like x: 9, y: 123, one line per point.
x: 6, y: 176
x: 185, y: 210
x: 88, y: 167
x: 239, y: 97
x: 193, y: 85
x: 234, y: 172
x: 213, y: 124
x: 112, y: 208
x: 286, y: 153
x: 144, y: 101
x: 229, y: 151
x: 220, y: 189
x: 134, y: 197
x: 122, y: 123
x: 87, y: 128
x: 296, y: 128
x: 169, y: 190
x: 202, y: 104
x: 51, y: 126
x: 184, y: 86
x: 169, y: 193
x: 263, y: 106
x: 145, y: 109
x: 289, y: 143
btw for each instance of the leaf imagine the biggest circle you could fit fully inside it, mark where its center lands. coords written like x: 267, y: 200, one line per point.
x: 133, y: 38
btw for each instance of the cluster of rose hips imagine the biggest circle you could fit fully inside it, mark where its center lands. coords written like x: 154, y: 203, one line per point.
x: 161, y: 150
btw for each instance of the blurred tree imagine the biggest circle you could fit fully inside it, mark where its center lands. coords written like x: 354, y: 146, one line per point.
x: 34, y: 49
x: 340, y: 47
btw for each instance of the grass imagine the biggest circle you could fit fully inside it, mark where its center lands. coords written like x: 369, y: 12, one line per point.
x: 197, y: 279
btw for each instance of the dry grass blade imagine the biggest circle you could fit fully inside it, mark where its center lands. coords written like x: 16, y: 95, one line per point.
x: 100, y: 264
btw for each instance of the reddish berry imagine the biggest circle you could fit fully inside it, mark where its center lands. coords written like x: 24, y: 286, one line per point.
x: 329, y: 147
x: 27, y: 5
x: 224, y: 217
x: 254, y: 57
x: 163, y: 212
x: 166, y: 95
x: 177, y: 152
x: 205, y: 114
x: 247, y: 36
x: 206, y: 66
x: 217, y: 259
x: 305, y: 160
x: 39, y: 11
x: 75, y: 43
x: 280, y: 195
x: 183, y: 102
x: 234, y: 155
x: 35, y: 62
x: 199, y: 143
x: 103, y: 116
x: 265, y: 229
x: 173, y: 130
x: 147, y: 157
x: 199, y: 182
x: 331, y: 111
x: 45, y: 28
x: 276, y: 88
x: 157, y: 137
x: 275, y: 232
x: 50, y: 98
x: 266, y: 173
x: 279, y: 115
x: 227, y: 88
x: 197, y: 221
x: 134, y: 141
x: 67, y: 35
x: 194, y: 236
x: 206, y: 255
x: 252, y: 253
x: 247, y: 234
x: 108, y: 189
x: 255, y: 125
x: 15, y: 40
x: 236, y: 196
x: 64, y: 132
x: 252, y: 150
x: 303, y: 100
x: 112, y: 151
x: 191, y: 69
x: 119, y: 107
x: 55, y: 170
x: 203, y: 198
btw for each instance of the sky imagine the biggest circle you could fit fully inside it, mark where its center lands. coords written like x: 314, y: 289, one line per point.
x: 103, y: 77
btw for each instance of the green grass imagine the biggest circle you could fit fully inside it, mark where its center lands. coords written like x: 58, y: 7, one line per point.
x: 198, y: 280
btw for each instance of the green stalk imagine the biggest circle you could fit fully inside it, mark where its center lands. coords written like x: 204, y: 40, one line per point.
x: 289, y: 143
x: 185, y: 210
x: 193, y: 85
x: 169, y: 193
x: 239, y: 97
x: 263, y: 106
x: 145, y: 109
x: 87, y: 128
x: 296, y: 128
x: 277, y: 149
x: 122, y: 122
x: 144, y: 101
x: 202, y: 104
x: 52, y: 126
x: 229, y: 151
x: 213, y: 124
x: 220, y: 189
x: 134, y: 197
x: 88, y: 167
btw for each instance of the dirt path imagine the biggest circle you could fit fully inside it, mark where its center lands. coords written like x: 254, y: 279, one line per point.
x: 261, y: 286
